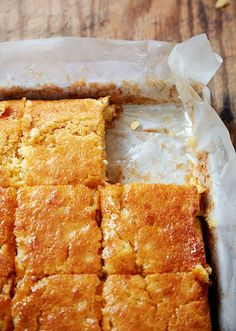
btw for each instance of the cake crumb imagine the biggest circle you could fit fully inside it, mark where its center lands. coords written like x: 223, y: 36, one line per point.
x: 202, y: 274
x: 222, y: 3
x: 192, y: 143
x: 135, y: 125
x: 29, y: 103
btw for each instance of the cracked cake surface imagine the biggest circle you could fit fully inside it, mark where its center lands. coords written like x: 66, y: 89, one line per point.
x: 59, y: 302
x: 5, y: 304
x: 7, y: 240
x: 77, y: 253
x: 10, y: 136
x: 150, y: 228
x: 56, y: 230
x: 63, y: 142
x: 168, y: 301
x: 7, y: 253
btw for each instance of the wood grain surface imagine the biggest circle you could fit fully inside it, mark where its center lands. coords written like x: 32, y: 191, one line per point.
x: 171, y: 20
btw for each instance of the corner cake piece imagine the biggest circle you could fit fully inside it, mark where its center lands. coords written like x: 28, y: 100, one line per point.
x: 7, y: 241
x: 56, y: 230
x: 10, y: 135
x: 151, y: 228
x: 157, y: 302
x: 63, y: 142
x: 59, y: 302
x: 5, y: 304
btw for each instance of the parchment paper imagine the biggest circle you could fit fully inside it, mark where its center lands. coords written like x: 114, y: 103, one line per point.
x: 158, y: 151
x: 165, y: 146
x: 212, y: 137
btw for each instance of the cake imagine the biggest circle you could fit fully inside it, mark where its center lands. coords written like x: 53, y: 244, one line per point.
x: 63, y: 142
x: 59, y: 302
x: 77, y: 253
x: 7, y: 240
x: 5, y: 304
x: 56, y: 230
x: 151, y: 228
x: 167, y: 301
x: 10, y: 135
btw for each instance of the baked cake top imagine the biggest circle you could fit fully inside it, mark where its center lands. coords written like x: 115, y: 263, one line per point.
x: 63, y: 142
x: 164, y: 301
x: 150, y: 228
x: 56, y: 230
x: 10, y: 128
x: 7, y: 241
x: 67, y: 302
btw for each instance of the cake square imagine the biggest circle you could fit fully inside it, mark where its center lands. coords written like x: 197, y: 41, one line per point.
x: 5, y: 304
x: 56, y: 230
x: 10, y: 135
x: 181, y: 300
x: 59, y: 302
x: 156, y: 302
x: 7, y: 241
x: 151, y: 228
x: 63, y: 142
x: 127, y: 304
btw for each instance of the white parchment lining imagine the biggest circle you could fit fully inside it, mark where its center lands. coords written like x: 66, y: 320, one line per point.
x: 212, y: 137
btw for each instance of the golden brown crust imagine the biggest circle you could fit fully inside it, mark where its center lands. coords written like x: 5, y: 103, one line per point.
x: 60, y: 302
x: 5, y: 313
x: 127, y: 93
x: 150, y: 228
x: 69, y: 160
x: 11, y: 109
x: 155, y: 302
x: 5, y: 304
x: 63, y: 142
x: 56, y: 230
x: 7, y: 241
x: 192, y: 316
x: 10, y: 128
x: 127, y: 304
x: 172, y: 291
x: 66, y: 113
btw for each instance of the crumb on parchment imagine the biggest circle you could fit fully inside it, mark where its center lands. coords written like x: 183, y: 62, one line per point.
x: 135, y: 125
x: 222, y: 3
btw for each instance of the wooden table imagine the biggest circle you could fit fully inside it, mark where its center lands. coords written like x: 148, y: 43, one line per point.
x: 171, y: 20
